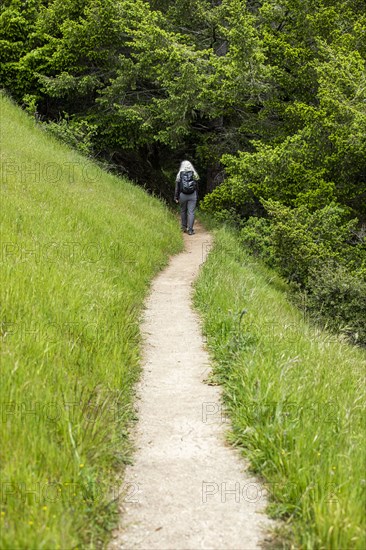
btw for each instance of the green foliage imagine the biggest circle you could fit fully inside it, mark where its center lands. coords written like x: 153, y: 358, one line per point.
x: 256, y: 235
x: 304, y: 241
x: 322, y: 254
x: 156, y: 93
x: 295, y: 396
x: 308, y: 168
x: 338, y: 297
x: 78, y: 135
x: 17, y: 20
x: 311, y: 149
x: 274, y: 90
x: 269, y: 96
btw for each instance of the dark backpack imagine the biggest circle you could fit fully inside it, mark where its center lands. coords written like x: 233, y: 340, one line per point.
x: 187, y: 183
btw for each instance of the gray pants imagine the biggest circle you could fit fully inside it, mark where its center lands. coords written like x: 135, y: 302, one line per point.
x: 187, y: 204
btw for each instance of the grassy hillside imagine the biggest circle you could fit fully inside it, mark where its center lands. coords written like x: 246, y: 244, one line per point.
x: 78, y: 250
x: 296, y: 398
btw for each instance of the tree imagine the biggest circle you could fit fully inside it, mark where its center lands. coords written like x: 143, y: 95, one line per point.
x: 312, y: 146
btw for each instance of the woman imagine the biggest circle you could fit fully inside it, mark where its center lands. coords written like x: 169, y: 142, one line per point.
x: 186, y: 193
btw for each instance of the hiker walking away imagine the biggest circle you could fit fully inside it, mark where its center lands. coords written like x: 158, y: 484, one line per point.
x: 186, y: 193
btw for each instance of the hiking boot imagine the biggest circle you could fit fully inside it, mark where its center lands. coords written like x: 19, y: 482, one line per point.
x: 184, y: 229
x: 190, y: 231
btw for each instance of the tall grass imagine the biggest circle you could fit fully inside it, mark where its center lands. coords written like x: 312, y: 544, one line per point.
x: 78, y: 250
x: 296, y: 398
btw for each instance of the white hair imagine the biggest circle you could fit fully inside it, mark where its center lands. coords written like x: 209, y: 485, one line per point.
x: 186, y: 166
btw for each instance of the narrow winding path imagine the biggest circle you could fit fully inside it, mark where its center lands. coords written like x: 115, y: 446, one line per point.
x: 187, y: 489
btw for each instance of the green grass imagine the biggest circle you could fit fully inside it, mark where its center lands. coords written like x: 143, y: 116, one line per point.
x: 79, y: 248
x: 296, y: 398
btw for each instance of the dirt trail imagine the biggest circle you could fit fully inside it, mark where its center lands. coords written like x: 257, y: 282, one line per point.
x: 188, y: 489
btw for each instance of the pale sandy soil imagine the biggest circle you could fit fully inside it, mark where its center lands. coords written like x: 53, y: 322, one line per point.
x: 187, y: 489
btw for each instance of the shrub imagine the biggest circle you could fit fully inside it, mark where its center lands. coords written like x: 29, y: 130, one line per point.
x: 340, y: 297
x: 322, y: 254
x: 304, y: 241
x: 77, y: 134
x: 256, y: 235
